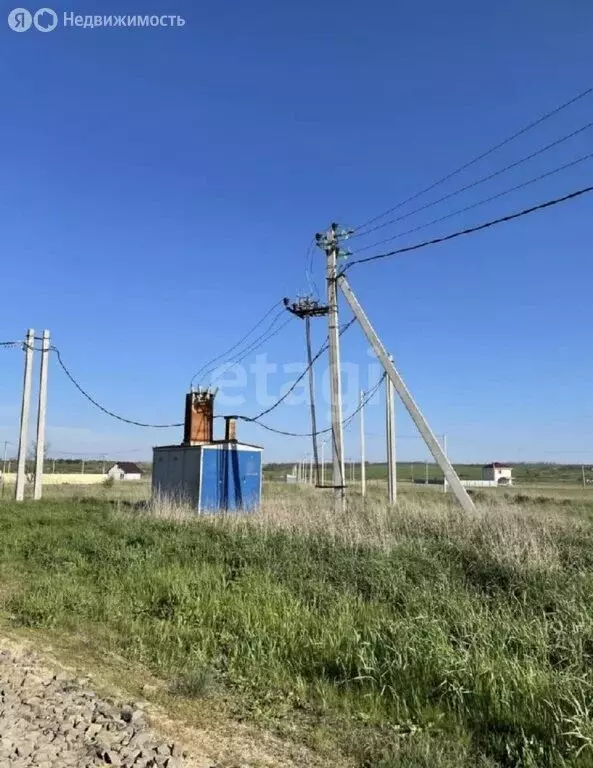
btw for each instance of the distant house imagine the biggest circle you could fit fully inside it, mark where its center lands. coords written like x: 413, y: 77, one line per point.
x: 125, y: 470
x: 497, y: 473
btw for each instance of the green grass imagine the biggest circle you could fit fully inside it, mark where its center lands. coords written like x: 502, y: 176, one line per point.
x: 416, y: 638
x: 541, y: 473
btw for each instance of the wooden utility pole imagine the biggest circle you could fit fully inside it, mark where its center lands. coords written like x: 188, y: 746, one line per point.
x: 40, y: 445
x: 363, y: 469
x: 390, y: 432
x: 25, y: 408
x: 330, y: 244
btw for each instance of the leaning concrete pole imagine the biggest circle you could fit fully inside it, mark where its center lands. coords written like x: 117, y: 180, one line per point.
x: 407, y: 399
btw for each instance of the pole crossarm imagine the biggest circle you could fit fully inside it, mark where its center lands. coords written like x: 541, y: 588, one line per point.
x: 406, y: 397
x: 306, y: 307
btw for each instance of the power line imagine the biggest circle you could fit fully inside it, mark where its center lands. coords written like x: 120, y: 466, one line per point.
x: 480, y: 202
x: 470, y: 230
x: 476, y: 159
x: 102, y: 408
x: 345, y: 423
x: 367, y: 398
x: 313, y: 287
x: 238, y: 344
x: 167, y: 426
x: 482, y: 180
x: 298, y: 379
x: 259, y: 342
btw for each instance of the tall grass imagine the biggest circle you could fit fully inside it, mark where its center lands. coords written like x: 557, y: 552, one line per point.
x: 417, y: 637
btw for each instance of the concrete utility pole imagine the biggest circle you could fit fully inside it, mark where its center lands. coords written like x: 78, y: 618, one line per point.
x: 330, y: 244
x: 306, y: 307
x: 445, y: 451
x: 4, y: 459
x: 407, y: 399
x: 322, y: 464
x: 390, y: 432
x: 40, y: 446
x: 25, y: 408
x: 311, y: 470
x: 363, y: 469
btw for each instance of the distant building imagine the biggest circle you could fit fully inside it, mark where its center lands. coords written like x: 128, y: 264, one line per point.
x: 125, y: 470
x: 500, y: 474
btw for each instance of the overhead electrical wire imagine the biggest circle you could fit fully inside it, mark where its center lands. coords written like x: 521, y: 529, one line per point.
x: 313, y: 287
x: 259, y: 342
x: 482, y: 180
x: 366, y: 399
x: 480, y: 202
x: 476, y: 159
x: 238, y: 344
x: 471, y: 230
x: 345, y: 423
x: 297, y: 381
x: 85, y: 394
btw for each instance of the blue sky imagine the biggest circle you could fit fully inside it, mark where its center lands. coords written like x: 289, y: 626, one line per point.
x: 161, y: 186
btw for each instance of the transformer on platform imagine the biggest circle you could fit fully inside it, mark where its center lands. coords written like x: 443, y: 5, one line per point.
x: 212, y: 475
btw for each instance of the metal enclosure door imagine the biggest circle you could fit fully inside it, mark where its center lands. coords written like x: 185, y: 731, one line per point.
x: 249, y: 463
x: 231, y: 479
x: 211, y: 480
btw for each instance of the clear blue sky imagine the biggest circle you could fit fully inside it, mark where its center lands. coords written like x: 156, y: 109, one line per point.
x: 160, y: 188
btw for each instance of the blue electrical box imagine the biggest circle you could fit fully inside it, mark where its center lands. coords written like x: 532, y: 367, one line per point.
x: 217, y: 476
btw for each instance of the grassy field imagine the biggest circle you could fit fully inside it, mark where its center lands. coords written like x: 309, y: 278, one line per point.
x: 408, y: 472
x: 416, y: 637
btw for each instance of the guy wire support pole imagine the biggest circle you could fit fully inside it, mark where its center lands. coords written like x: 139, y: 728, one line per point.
x: 406, y: 397
x: 40, y: 444
x: 363, y: 469
x: 330, y: 243
x: 25, y: 408
x: 305, y: 307
x: 390, y: 433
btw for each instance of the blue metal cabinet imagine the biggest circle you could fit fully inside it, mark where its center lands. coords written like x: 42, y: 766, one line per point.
x: 224, y: 476
x: 230, y: 478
